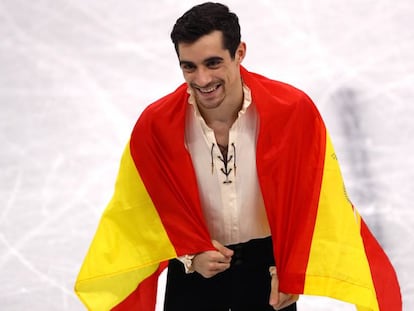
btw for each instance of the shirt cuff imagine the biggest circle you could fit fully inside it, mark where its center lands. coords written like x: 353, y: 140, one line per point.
x: 187, y: 261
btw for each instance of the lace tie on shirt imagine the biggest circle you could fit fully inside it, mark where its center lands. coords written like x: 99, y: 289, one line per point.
x: 225, y: 160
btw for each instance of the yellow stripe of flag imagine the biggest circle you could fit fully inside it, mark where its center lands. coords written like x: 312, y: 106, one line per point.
x: 338, y: 266
x: 129, y: 243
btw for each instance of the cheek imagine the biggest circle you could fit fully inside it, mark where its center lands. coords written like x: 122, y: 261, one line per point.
x: 231, y: 78
x: 187, y: 77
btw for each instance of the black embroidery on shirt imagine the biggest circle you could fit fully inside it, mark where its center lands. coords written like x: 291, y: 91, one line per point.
x: 234, y: 162
x: 226, y: 169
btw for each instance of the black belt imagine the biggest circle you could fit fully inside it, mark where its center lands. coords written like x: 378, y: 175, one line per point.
x: 254, y: 251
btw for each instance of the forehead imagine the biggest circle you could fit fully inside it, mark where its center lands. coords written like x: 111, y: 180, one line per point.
x: 206, y: 46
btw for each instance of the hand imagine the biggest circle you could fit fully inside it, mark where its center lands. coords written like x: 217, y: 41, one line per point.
x: 277, y: 299
x: 210, y: 263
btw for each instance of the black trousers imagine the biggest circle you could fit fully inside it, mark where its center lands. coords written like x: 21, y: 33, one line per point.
x: 245, y: 286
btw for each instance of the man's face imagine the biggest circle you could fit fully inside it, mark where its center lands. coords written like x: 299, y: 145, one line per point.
x: 210, y: 71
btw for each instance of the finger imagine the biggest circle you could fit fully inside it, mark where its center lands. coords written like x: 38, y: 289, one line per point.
x: 227, y: 252
x: 274, y: 291
x: 286, y: 300
x: 218, y: 257
x: 214, y: 268
x: 219, y: 267
x: 283, y: 301
x: 210, y: 263
x: 277, y: 299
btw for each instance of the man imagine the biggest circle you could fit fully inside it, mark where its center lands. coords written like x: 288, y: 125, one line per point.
x: 231, y: 181
x: 221, y: 128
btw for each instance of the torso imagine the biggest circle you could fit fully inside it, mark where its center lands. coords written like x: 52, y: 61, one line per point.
x: 221, y: 132
x: 232, y: 202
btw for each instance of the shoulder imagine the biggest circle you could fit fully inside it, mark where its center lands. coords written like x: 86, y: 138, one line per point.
x: 272, y: 87
x: 167, y: 103
x: 165, y: 107
x: 276, y: 96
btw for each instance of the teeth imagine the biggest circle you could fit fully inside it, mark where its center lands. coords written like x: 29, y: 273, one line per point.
x: 209, y: 90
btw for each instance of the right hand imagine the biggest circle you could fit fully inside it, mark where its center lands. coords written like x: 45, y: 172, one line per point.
x: 210, y: 263
x: 279, y: 300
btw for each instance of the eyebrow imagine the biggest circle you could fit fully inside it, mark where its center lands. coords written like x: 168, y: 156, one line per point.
x: 207, y: 60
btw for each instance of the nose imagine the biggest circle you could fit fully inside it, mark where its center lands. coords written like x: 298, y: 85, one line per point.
x: 202, y: 77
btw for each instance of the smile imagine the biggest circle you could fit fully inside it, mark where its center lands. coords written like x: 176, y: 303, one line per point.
x: 207, y: 90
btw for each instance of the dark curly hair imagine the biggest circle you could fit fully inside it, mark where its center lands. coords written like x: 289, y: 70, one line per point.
x: 203, y: 19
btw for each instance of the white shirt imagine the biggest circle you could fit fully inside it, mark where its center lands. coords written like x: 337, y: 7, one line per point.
x: 230, y: 195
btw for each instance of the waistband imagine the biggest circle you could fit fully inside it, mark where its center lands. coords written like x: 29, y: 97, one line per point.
x: 255, y: 251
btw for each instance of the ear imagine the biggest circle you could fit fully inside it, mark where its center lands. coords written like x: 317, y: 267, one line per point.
x: 241, y: 52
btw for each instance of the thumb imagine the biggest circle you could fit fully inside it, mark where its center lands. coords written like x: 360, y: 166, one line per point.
x: 274, y: 292
x: 227, y: 252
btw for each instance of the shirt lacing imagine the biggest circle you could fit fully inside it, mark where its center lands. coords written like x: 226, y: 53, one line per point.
x: 226, y: 170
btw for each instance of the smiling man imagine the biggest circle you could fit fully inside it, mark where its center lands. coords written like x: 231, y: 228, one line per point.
x: 213, y: 74
x: 232, y: 181
x: 221, y: 129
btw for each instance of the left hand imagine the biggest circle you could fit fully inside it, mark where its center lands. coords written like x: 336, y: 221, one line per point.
x: 210, y: 263
x: 279, y: 300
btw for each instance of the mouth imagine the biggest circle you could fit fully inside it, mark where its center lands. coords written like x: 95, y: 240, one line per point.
x: 207, y: 90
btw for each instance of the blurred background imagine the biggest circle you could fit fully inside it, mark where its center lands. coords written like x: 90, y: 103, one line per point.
x: 76, y: 74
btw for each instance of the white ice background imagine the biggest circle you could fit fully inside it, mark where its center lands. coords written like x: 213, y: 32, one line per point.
x: 75, y: 75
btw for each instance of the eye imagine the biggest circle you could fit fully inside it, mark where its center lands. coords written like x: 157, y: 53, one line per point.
x: 213, y: 63
x: 188, y: 67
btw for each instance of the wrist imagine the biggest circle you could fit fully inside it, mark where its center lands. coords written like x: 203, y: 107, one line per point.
x: 187, y: 261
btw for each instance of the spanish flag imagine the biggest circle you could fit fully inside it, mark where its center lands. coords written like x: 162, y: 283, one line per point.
x: 321, y: 244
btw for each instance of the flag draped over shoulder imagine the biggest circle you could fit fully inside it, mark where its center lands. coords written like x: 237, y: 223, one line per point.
x: 321, y: 244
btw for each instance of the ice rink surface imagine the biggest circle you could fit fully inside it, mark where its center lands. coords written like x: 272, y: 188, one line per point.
x: 75, y: 75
